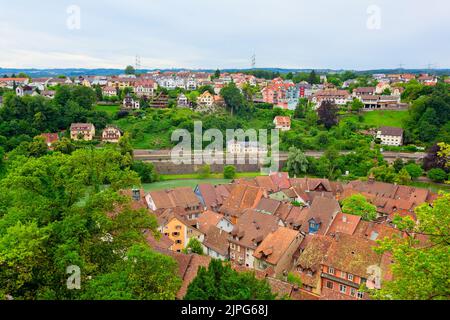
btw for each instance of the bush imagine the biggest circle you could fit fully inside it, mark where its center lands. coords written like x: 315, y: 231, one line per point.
x: 204, y: 171
x: 414, y: 170
x: 229, y: 172
x: 437, y: 175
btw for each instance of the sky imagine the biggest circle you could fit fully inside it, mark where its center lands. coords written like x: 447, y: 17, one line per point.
x: 210, y: 34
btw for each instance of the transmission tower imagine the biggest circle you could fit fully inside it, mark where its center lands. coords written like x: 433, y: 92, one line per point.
x: 138, y: 62
x: 253, y: 61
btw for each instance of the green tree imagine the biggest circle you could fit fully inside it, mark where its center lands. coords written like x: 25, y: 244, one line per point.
x: 296, y: 163
x: 229, y: 172
x: 194, y: 246
x: 145, y: 275
x: 130, y: 70
x: 398, y: 164
x: 358, y: 205
x: 437, y: 174
x: 234, y: 99
x: 403, y: 177
x: 146, y: 171
x: 204, y: 171
x: 414, y: 170
x: 357, y: 105
x: 220, y: 282
x: 420, y: 269
x: 383, y: 173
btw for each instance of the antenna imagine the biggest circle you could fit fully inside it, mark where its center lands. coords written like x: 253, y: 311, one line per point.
x: 138, y: 62
x: 253, y: 61
x: 400, y: 65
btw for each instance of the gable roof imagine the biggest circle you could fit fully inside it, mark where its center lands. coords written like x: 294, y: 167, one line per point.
x: 344, y: 223
x: 323, y: 210
x: 217, y: 240
x: 252, y: 227
x: 182, y: 197
x: 208, y: 219
x: 275, y: 245
x: 352, y: 254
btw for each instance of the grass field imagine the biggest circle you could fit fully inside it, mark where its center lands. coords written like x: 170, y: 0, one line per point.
x: 110, y: 109
x: 434, y: 187
x: 379, y: 118
x: 169, y: 184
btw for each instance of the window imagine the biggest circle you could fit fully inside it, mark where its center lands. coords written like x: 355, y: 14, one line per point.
x: 178, y: 241
x: 342, y: 288
x: 352, y: 292
x: 343, y: 275
x: 350, y: 277
x: 360, y: 295
x: 329, y: 285
x: 331, y: 270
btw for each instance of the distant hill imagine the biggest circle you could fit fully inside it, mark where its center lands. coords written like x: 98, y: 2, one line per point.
x: 73, y: 72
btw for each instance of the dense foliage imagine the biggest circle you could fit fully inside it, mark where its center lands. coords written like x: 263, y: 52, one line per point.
x: 220, y: 282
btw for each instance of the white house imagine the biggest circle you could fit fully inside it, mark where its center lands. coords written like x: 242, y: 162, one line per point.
x: 390, y: 136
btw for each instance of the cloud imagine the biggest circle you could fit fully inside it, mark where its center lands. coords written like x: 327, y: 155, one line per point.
x: 226, y: 33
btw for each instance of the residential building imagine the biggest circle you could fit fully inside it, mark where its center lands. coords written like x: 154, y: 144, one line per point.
x: 129, y: 103
x: 248, y: 233
x: 50, y: 139
x: 24, y: 90
x: 111, y: 134
x: 282, y: 122
x: 350, y: 262
x: 183, y: 198
x: 320, y: 215
x: 183, y: 101
x: 108, y: 91
x: 276, y: 251
x: 390, y: 136
x: 82, y: 131
x: 206, y: 99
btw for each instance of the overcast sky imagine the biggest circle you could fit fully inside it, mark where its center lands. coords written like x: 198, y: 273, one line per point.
x: 348, y: 34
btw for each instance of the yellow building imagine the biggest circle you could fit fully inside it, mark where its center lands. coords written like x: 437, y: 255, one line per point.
x: 179, y: 231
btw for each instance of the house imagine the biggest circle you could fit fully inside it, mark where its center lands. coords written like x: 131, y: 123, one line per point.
x: 48, y: 93
x: 381, y: 87
x: 206, y: 99
x: 111, y: 134
x: 363, y: 91
x: 129, y: 103
x: 238, y: 147
x: 50, y: 139
x: 390, y: 136
x: 182, y: 198
x: 250, y: 230
x: 215, y: 243
x: 350, y: 262
x: 282, y: 122
x: 241, y: 197
x: 24, y: 90
x: 212, y: 197
x: 82, y: 131
x: 145, y: 88
x: 308, y: 264
x: 321, y: 214
x: 344, y: 223
x: 160, y: 101
x: 338, y: 97
x: 183, y: 100
x: 282, y: 94
x: 427, y: 80
x: 178, y: 229
x: 280, y: 179
x: 108, y: 91
x: 11, y: 82
x: 276, y: 251
x: 209, y: 218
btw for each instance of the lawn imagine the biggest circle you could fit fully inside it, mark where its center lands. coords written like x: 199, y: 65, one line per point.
x: 379, y: 118
x: 434, y: 187
x: 110, y: 109
x: 385, y: 118
x: 169, y: 184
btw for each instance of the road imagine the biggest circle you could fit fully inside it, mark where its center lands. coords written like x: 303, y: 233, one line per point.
x: 164, y: 155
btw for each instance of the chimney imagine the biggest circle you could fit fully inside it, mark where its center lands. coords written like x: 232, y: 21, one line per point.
x: 344, y: 218
x: 136, y: 194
